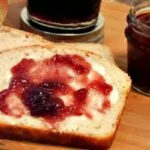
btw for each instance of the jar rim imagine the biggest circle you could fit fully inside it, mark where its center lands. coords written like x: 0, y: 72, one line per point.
x: 137, y: 9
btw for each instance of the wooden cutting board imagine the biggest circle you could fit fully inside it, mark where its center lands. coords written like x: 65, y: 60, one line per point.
x: 134, y: 128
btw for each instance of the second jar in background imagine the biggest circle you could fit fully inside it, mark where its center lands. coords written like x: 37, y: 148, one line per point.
x: 138, y: 39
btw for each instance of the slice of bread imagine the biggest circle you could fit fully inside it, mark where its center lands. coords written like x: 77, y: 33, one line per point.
x: 76, y: 131
x: 13, y: 38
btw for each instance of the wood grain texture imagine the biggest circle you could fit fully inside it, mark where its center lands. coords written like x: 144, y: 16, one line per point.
x: 134, y: 128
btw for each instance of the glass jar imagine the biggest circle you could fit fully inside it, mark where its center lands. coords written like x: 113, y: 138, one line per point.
x: 138, y: 40
x: 62, y: 14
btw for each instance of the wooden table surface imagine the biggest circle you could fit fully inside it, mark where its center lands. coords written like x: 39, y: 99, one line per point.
x: 134, y: 128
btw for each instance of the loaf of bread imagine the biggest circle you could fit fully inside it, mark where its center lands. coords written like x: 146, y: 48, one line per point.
x: 61, y: 95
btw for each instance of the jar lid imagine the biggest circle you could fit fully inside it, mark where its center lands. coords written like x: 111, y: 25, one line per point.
x: 95, y: 35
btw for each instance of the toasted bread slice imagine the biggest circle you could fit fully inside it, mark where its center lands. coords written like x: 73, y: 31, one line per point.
x: 75, y: 131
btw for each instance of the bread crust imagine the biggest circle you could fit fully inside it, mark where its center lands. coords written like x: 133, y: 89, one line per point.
x: 55, y: 138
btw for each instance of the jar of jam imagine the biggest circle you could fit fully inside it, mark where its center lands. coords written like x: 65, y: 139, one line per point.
x: 138, y: 40
x: 62, y: 14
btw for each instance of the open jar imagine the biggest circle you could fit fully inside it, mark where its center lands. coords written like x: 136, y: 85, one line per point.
x: 138, y: 39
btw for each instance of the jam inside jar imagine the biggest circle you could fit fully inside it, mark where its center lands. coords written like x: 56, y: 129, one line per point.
x: 138, y: 41
x: 64, y: 14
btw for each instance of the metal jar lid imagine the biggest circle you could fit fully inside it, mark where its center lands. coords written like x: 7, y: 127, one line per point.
x: 94, y: 35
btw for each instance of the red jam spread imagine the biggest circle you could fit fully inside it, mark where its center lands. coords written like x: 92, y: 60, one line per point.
x: 37, y: 88
x: 139, y: 52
